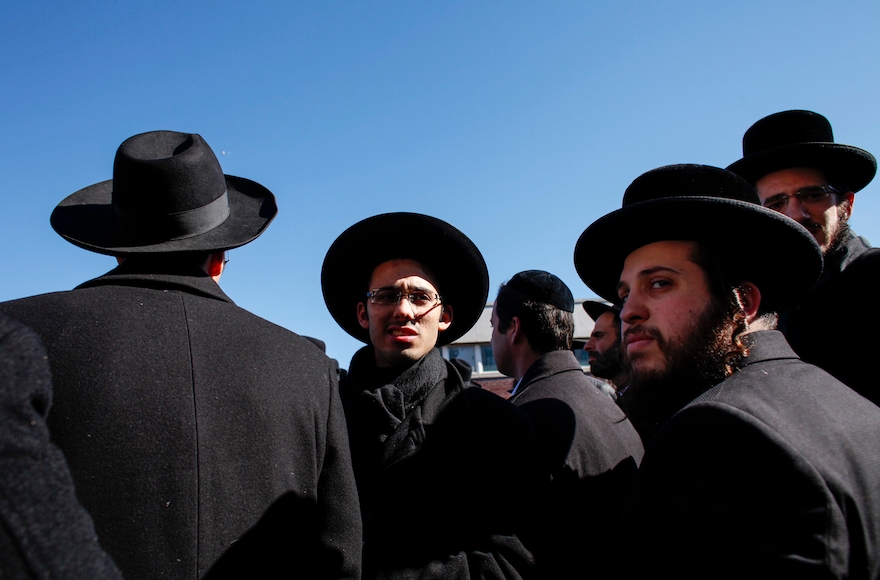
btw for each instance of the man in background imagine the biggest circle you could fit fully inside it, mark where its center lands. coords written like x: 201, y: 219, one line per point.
x: 588, y: 449
x: 798, y: 170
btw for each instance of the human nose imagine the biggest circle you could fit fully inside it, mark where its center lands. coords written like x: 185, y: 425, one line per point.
x: 795, y: 209
x: 404, y: 308
x: 588, y: 346
x: 633, y: 310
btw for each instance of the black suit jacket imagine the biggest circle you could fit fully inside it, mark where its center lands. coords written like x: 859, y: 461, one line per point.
x: 773, y: 473
x: 590, y: 453
x: 44, y: 531
x: 184, y: 418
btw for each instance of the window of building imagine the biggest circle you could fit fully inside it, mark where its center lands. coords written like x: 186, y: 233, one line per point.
x: 488, y: 358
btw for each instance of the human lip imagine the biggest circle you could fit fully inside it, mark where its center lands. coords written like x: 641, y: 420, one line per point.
x: 635, y: 340
x: 403, y: 333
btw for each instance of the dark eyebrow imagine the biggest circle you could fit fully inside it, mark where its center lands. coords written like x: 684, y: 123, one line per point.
x: 411, y: 290
x: 648, y: 272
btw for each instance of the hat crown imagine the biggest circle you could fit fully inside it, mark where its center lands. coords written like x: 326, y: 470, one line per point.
x: 787, y: 128
x: 689, y: 180
x: 543, y: 287
x: 166, y: 172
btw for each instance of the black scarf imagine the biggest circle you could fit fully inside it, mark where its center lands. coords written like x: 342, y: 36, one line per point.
x: 387, y: 403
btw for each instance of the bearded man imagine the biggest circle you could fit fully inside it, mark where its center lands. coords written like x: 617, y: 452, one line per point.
x: 798, y: 170
x: 759, y: 465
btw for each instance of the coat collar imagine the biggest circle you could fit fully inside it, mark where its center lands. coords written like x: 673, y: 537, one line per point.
x: 189, y: 279
x: 550, y: 363
x: 766, y: 345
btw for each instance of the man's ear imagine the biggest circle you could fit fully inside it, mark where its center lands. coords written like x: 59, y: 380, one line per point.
x: 363, y: 319
x: 215, y: 264
x: 850, y: 198
x: 445, y: 317
x: 750, y: 298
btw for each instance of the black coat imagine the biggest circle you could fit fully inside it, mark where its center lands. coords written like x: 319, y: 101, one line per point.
x: 773, y: 473
x: 832, y: 326
x: 439, y: 490
x: 589, y: 453
x: 44, y: 531
x: 184, y: 418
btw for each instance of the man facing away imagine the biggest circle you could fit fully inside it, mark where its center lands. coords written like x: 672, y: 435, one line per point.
x: 184, y: 418
x: 589, y: 451
x: 760, y: 465
x: 798, y: 170
x: 605, y: 353
x: 438, y: 466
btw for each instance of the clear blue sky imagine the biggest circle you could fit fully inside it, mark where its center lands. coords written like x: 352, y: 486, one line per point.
x: 518, y: 122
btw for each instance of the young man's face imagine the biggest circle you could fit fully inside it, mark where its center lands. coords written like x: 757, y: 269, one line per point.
x: 666, y: 302
x: 825, y: 219
x: 604, y: 347
x: 403, y: 333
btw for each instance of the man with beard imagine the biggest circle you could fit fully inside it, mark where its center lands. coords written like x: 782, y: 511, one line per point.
x: 605, y: 354
x: 439, y: 467
x: 589, y: 451
x: 760, y: 465
x: 798, y: 169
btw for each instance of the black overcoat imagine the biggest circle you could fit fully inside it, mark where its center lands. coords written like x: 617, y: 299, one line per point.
x: 590, y: 453
x: 832, y: 326
x: 184, y: 418
x: 439, y: 492
x: 773, y: 473
x: 44, y: 531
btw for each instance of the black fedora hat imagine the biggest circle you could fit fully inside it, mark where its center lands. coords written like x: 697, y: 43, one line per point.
x: 595, y: 309
x: 462, y: 276
x: 168, y: 195
x: 749, y: 237
x: 802, y: 139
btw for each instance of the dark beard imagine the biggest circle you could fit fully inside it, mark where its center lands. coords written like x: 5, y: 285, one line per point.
x: 608, y: 364
x: 693, y: 366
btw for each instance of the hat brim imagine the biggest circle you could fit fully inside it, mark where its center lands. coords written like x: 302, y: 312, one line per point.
x: 596, y: 309
x: 462, y: 276
x: 762, y: 246
x: 856, y: 167
x: 86, y: 219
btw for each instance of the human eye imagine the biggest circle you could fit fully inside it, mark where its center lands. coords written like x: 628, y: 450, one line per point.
x: 659, y: 284
x: 386, y: 296
x: 776, y: 203
x: 809, y: 194
x: 420, y: 298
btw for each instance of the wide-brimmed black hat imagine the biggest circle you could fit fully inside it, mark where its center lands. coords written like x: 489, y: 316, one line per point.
x: 462, y: 276
x: 755, y: 244
x: 168, y: 195
x: 802, y: 139
x: 595, y: 309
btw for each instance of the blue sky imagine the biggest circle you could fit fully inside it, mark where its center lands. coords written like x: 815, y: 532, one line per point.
x: 518, y: 122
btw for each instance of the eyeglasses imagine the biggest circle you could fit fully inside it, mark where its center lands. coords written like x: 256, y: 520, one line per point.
x: 812, y: 195
x: 391, y: 297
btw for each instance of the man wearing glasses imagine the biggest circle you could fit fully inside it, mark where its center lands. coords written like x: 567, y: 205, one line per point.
x: 798, y: 170
x: 438, y: 467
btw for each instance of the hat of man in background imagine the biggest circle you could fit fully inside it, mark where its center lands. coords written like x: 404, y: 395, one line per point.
x: 168, y: 194
x: 462, y: 278
x: 595, y: 309
x: 542, y: 286
x: 676, y: 203
x: 802, y: 139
